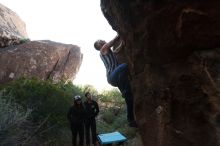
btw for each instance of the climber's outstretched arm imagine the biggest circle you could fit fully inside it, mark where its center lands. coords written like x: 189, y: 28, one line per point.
x: 105, y: 48
x: 118, y: 48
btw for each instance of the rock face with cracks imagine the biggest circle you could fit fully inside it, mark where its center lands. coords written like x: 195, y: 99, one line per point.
x: 12, y: 28
x: 41, y: 59
x: 172, y: 49
x: 20, y: 57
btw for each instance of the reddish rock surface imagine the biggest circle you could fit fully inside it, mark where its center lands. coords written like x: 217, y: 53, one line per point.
x: 41, y: 59
x: 171, y: 47
x: 20, y: 57
x: 12, y: 28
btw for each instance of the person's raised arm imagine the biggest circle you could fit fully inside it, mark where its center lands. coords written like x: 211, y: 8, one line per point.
x: 105, y: 48
x: 118, y: 48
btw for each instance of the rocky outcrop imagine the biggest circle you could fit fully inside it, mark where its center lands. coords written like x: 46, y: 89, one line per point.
x: 12, y: 28
x: 41, y: 59
x: 172, y: 51
x: 20, y: 57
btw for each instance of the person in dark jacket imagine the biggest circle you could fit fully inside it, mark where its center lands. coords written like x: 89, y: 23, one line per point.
x: 92, y: 110
x: 76, y: 117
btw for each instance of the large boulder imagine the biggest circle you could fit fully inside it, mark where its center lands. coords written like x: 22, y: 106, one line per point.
x: 12, y: 28
x: 172, y: 48
x: 41, y: 59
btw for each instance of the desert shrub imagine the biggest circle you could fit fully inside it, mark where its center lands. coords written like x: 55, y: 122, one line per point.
x: 14, y: 124
x: 109, y: 122
x: 89, y: 88
x: 113, y: 114
x: 120, y: 121
x: 113, y: 96
x: 108, y: 116
x: 103, y: 127
x: 49, y: 103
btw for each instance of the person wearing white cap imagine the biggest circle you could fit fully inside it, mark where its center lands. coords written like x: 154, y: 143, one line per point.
x: 76, y: 117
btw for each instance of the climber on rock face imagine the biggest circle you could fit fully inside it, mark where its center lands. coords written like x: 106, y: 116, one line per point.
x: 117, y: 74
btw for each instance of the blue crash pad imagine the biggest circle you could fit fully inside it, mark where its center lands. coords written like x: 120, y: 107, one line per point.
x: 110, y: 138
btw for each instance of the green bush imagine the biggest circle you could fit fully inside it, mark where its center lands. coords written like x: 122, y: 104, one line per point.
x: 109, y: 122
x: 120, y: 121
x: 89, y: 88
x: 49, y: 103
x: 40, y: 108
x: 14, y: 124
x: 108, y: 116
x: 113, y: 114
x: 113, y: 96
x: 103, y: 127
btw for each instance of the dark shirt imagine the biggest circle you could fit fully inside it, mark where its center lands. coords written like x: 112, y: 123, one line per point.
x: 76, y: 114
x: 92, y: 109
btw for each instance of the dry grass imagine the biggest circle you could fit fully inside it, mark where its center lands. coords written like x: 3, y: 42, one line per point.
x: 13, y: 122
